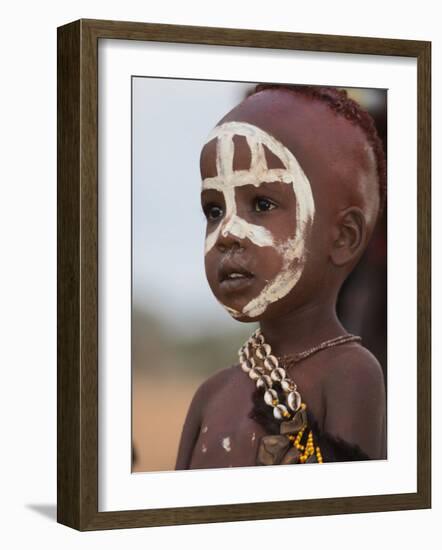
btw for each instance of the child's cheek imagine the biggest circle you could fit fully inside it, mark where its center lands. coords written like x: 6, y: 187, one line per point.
x: 211, y: 268
x: 268, y: 262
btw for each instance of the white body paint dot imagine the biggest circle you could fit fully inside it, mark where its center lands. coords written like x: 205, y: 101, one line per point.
x: 204, y: 430
x: 226, y: 444
x: 203, y: 448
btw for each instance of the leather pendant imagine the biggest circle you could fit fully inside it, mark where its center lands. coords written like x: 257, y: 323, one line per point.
x: 292, y: 456
x: 272, y: 449
x: 294, y: 425
x: 311, y: 459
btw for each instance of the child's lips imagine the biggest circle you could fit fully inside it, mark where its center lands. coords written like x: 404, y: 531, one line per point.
x: 239, y: 283
x: 234, y: 276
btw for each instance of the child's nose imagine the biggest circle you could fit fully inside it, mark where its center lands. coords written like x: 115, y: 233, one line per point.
x: 230, y: 235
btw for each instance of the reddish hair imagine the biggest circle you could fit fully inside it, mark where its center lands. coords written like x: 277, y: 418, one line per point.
x: 341, y: 104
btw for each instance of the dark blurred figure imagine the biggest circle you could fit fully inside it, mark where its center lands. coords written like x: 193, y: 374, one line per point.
x: 362, y: 303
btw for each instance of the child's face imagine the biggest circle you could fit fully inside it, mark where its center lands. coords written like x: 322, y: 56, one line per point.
x: 273, y: 173
x: 259, y: 208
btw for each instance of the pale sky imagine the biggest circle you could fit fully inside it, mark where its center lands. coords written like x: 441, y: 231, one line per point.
x: 171, y: 120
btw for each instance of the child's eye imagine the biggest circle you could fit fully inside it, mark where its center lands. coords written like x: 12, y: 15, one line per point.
x: 264, y: 205
x: 213, y: 212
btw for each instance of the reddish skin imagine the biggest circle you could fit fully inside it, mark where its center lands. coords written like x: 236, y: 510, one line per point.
x: 342, y: 386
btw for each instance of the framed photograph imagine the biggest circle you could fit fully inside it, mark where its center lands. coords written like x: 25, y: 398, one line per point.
x: 243, y: 275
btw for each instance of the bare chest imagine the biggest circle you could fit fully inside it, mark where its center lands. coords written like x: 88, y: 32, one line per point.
x: 228, y: 437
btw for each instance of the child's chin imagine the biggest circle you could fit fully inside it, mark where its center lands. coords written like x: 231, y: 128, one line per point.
x: 238, y: 315
x: 244, y: 319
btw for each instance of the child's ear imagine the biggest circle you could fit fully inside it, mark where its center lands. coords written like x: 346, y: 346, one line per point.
x: 350, y: 236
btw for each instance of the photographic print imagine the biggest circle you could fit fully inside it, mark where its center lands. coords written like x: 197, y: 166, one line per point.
x: 232, y: 303
x: 259, y: 272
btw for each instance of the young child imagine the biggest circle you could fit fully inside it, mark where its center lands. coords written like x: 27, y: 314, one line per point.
x: 293, y: 183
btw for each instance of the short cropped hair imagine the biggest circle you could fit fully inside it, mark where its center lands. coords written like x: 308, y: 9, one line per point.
x: 338, y: 100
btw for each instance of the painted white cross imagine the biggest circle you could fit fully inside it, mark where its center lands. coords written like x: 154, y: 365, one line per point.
x: 228, y: 179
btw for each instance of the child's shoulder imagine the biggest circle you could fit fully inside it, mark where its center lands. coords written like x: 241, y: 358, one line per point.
x: 220, y: 379
x: 222, y: 382
x: 355, y: 405
x: 352, y: 362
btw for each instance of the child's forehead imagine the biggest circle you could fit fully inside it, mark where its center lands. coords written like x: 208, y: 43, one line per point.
x: 326, y: 145
x: 294, y: 120
x: 239, y: 146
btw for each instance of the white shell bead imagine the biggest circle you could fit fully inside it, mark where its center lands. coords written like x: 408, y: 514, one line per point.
x: 287, y: 385
x: 269, y: 396
x: 279, y: 411
x: 254, y: 375
x: 264, y: 381
x: 244, y: 366
x: 251, y: 362
x: 294, y: 400
x: 267, y: 349
x: 278, y: 374
x: 270, y: 362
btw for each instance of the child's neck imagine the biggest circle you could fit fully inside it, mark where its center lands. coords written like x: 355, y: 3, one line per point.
x: 303, y: 328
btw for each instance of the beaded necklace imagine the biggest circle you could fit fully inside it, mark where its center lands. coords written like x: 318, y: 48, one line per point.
x: 266, y: 370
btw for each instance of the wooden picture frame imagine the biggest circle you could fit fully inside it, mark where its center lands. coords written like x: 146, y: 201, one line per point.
x: 77, y: 224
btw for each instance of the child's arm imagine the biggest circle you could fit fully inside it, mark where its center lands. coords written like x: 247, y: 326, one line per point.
x: 196, y: 413
x: 355, y: 403
x: 190, y: 432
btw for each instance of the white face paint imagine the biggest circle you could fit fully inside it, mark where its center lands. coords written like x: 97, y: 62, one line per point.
x: 292, y: 250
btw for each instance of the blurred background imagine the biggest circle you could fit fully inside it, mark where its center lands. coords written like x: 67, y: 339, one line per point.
x: 180, y: 334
